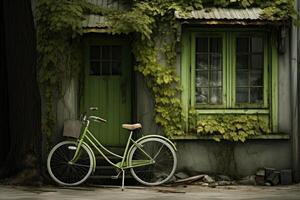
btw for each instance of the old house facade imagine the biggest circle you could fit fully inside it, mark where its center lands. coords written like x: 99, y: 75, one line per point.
x: 231, y: 62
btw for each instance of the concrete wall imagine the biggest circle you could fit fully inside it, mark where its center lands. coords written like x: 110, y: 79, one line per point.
x: 236, y: 159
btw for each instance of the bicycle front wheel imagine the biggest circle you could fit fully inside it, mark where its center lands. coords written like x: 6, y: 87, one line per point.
x: 164, y: 166
x: 64, y: 172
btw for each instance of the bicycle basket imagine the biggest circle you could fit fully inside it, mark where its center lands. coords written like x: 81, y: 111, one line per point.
x: 72, y: 128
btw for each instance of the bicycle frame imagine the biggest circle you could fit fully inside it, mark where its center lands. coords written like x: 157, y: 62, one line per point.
x: 87, y: 134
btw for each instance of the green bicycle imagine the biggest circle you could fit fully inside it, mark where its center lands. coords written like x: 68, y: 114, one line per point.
x: 151, y: 159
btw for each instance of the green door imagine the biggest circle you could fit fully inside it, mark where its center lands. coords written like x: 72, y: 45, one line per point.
x: 108, y: 86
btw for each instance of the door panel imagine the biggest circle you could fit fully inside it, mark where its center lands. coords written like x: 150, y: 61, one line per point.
x: 108, y: 86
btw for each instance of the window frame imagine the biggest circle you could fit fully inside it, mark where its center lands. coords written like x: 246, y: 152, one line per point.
x: 266, y: 74
x: 229, y: 69
x: 184, y: 63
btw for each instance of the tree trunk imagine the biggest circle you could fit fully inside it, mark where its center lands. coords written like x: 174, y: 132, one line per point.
x: 22, y: 100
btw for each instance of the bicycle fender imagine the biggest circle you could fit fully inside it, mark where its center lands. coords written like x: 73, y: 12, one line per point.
x: 94, y: 157
x: 158, y: 136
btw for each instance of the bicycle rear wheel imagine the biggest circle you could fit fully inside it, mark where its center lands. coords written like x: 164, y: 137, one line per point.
x: 65, y: 173
x: 161, y: 170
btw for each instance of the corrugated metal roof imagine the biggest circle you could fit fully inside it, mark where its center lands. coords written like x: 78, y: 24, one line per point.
x: 94, y: 21
x: 222, y: 14
x: 117, y: 4
x: 98, y: 21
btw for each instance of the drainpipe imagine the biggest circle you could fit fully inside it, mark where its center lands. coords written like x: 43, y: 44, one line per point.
x: 294, y: 98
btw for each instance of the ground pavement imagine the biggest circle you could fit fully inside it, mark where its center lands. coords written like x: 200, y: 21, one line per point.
x: 291, y: 192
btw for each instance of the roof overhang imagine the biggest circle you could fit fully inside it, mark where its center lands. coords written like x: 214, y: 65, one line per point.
x: 227, y: 16
x: 207, y: 16
x: 95, y: 24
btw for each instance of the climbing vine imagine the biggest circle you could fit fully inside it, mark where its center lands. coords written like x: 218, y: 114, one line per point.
x: 59, y: 28
x: 233, y: 127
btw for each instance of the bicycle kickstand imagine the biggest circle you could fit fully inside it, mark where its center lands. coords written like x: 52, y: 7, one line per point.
x: 123, y: 177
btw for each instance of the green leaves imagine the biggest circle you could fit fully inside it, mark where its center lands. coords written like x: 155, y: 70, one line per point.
x: 229, y: 127
x: 59, y: 25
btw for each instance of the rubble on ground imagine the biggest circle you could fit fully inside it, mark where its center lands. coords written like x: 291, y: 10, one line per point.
x: 263, y: 176
x: 203, y: 179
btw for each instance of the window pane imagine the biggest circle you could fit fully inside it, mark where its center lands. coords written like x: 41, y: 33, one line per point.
x: 95, y: 68
x: 216, y: 45
x: 242, y: 45
x: 106, y: 68
x: 242, y: 61
x: 256, y: 78
x: 209, y: 70
x: 242, y: 95
x: 116, y: 68
x: 257, y: 44
x: 116, y: 52
x: 216, y: 61
x: 201, y: 95
x: 202, y: 61
x: 256, y: 95
x: 249, y: 74
x: 215, y: 96
x: 202, y: 45
x: 202, y: 78
x: 216, y: 78
x: 257, y: 61
x: 95, y: 52
x: 242, y: 78
x: 106, y: 53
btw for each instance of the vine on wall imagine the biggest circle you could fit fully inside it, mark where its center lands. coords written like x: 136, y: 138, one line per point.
x: 233, y: 127
x: 59, y: 28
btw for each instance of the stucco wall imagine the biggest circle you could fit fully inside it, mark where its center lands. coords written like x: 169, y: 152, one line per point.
x: 237, y: 159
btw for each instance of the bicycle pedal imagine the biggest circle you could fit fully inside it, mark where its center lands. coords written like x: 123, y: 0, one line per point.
x: 115, y: 177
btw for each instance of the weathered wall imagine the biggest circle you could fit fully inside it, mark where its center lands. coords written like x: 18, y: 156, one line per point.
x: 145, y: 107
x: 284, y: 116
x: 237, y: 159
x: 67, y: 107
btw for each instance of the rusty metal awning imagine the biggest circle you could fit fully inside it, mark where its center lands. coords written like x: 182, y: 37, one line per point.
x: 94, y: 21
x: 225, y: 16
x: 98, y: 23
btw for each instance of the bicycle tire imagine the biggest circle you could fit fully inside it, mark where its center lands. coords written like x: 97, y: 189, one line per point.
x: 165, y: 162
x: 64, y: 173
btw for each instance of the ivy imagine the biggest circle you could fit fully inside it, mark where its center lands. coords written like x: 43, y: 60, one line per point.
x: 233, y: 127
x: 58, y: 28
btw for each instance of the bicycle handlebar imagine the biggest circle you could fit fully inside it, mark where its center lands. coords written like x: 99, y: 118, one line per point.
x: 94, y: 118
x: 93, y: 108
x: 97, y: 119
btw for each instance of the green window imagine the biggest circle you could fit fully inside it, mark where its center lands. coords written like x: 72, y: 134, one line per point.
x: 209, y: 70
x: 229, y: 70
x: 249, y: 70
x: 105, y: 60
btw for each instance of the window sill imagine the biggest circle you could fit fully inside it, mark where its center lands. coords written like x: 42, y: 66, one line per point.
x: 209, y: 137
x: 233, y: 111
